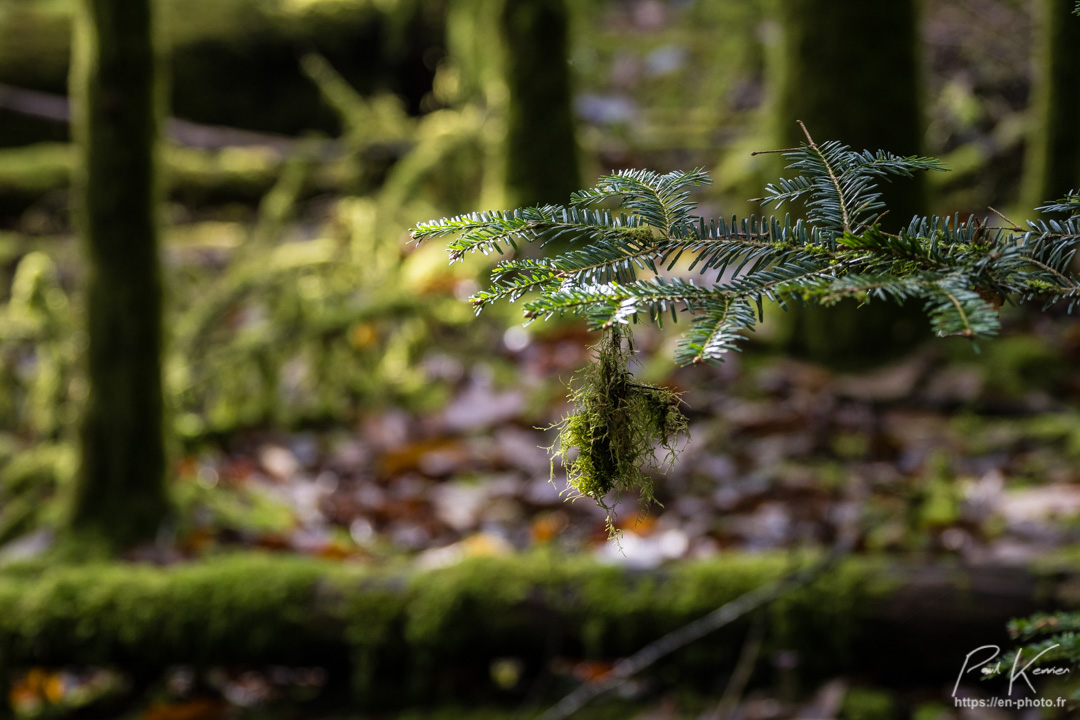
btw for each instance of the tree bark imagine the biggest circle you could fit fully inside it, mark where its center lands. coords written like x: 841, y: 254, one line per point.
x: 120, y: 493
x: 849, y: 70
x: 541, y: 147
x: 1053, y: 160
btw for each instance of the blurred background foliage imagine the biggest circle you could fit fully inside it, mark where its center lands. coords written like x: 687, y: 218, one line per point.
x: 329, y: 390
x: 310, y: 134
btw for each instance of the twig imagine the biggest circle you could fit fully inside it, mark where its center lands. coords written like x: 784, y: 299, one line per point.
x: 724, y: 615
x: 744, y: 668
x: 845, y: 218
x: 774, y: 152
x: 57, y: 108
x: 1014, y: 225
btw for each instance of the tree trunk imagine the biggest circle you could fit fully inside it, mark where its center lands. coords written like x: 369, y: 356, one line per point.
x: 849, y: 70
x: 1053, y: 159
x: 541, y: 149
x: 120, y: 493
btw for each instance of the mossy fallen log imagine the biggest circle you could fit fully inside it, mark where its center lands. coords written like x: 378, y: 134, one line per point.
x: 194, y: 176
x: 434, y: 634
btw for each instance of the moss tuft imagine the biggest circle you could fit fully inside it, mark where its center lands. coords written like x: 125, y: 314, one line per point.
x: 609, y: 442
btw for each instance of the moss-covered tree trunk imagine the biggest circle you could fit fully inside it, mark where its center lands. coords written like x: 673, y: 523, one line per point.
x: 1053, y: 160
x: 849, y: 70
x: 120, y: 493
x: 541, y: 147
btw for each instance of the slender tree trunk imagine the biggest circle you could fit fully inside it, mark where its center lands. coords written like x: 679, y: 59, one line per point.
x: 541, y: 148
x: 849, y: 70
x: 1053, y: 160
x: 120, y: 493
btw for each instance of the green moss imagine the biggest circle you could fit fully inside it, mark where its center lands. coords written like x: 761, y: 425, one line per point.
x: 868, y: 704
x: 36, y: 168
x: 396, y: 630
x: 239, y: 173
x: 608, y: 444
x: 245, y: 508
x: 233, y: 607
x: 192, y: 175
x: 931, y: 711
x: 982, y: 435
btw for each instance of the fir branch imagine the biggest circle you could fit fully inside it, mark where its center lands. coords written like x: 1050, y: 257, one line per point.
x: 874, y: 287
x: 511, y: 280
x: 962, y: 270
x: 955, y: 310
x: 1044, y: 624
x: 824, y: 158
x: 612, y: 257
x: 841, y: 183
x: 604, y: 304
x: 800, y: 275
x: 662, y: 201
x: 753, y: 241
x: 715, y: 333
x: 489, y: 231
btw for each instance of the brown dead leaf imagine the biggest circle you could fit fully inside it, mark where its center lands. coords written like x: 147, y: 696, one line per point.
x: 196, y: 709
x: 434, y: 456
x: 548, y: 526
x: 591, y: 671
x: 334, y: 551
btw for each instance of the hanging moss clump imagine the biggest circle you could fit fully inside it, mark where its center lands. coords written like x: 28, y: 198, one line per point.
x: 608, y: 444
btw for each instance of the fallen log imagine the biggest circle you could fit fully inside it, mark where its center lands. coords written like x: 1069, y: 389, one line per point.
x: 235, y: 63
x: 436, y: 633
x: 194, y: 176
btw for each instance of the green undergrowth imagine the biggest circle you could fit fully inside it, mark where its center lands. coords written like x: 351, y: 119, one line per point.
x: 380, y: 628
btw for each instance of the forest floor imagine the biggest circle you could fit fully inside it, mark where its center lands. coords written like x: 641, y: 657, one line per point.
x: 941, y: 452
